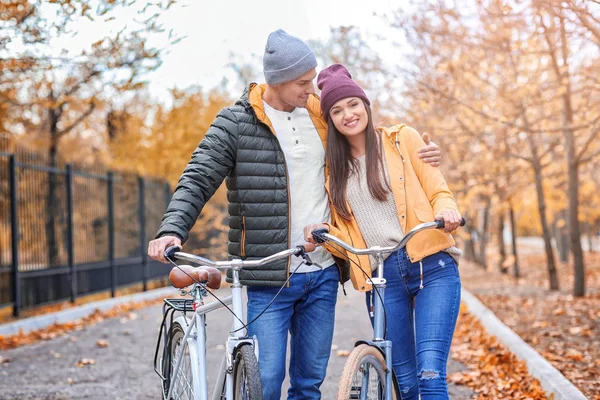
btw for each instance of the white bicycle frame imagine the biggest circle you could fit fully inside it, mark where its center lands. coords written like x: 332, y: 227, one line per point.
x: 195, y: 327
x: 195, y: 338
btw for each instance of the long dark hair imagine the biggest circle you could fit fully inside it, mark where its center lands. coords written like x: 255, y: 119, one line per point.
x: 341, y: 163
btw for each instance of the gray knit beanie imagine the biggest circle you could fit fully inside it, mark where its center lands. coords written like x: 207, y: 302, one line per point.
x: 286, y: 58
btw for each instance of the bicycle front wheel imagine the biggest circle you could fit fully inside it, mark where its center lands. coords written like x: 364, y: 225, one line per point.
x: 363, y: 376
x: 181, y: 381
x: 246, y: 375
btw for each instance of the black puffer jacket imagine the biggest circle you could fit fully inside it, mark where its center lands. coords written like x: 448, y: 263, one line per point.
x: 242, y: 148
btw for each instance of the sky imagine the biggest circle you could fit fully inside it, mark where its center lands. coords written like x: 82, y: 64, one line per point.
x: 215, y: 29
x: 212, y: 30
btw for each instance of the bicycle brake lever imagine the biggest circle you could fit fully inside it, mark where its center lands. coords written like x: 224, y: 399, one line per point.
x: 302, y: 253
x: 170, y: 253
x: 316, y: 234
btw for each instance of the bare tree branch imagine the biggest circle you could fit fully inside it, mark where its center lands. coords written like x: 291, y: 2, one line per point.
x: 81, y: 118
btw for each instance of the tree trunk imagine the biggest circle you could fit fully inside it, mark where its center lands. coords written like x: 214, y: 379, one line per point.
x: 590, y: 236
x: 573, y: 193
x: 500, y: 232
x: 573, y: 225
x: 481, y: 257
x: 561, y: 236
x: 552, y: 275
x: 470, y: 243
x: 51, y: 199
x: 575, y: 229
x: 513, y: 231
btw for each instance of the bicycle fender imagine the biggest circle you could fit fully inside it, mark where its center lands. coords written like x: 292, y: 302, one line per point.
x: 381, y: 350
x: 184, y: 323
x: 233, y: 344
x: 372, y: 344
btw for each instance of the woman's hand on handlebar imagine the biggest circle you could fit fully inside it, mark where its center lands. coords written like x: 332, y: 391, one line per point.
x: 451, y: 218
x: 308, y: 229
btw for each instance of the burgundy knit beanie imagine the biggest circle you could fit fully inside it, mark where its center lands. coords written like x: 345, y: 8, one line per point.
x: 336, y: 83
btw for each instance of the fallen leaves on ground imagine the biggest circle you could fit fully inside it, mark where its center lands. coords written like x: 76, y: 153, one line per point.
x: 564, y: 329
x: 85, y: 361
x: 343, y: 353
x: 493, y: 371
x: 6, y: 313
x: 56, y: 330
x: 102, y: 343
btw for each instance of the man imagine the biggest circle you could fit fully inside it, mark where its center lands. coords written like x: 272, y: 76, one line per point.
x: 270, y: 146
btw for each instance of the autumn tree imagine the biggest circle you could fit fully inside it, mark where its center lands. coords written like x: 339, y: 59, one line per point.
x: 349, y: 45
x: 52, y: 93
x: 580, y: 118
x: 161, y: 147
x: 503, y: 64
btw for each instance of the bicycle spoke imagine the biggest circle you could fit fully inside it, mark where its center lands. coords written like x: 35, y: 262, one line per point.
x: 182, y: 389
x: 366, y: 384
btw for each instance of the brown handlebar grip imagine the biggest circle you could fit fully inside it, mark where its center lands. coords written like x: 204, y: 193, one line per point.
x: 179, y: 276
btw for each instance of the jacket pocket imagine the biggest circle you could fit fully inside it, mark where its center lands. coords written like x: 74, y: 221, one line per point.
x: 424, y: 215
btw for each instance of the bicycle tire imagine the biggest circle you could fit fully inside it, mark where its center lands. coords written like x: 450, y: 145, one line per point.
x: 246, y: 375
x: 364, y: 358
x: 183, y: 388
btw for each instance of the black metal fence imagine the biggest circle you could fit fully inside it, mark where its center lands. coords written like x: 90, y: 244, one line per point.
x: 67, y: 230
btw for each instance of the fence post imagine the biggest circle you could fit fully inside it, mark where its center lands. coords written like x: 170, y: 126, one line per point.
x: 111, y: 235
x: 70, y: 232
x: 15, y: 236
x: 167, y: 195
x: 142, y: 218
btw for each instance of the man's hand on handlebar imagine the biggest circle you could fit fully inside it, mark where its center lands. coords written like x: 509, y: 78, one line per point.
x: 157, y: 247
x: 452, y: 219
x: 309, y: 247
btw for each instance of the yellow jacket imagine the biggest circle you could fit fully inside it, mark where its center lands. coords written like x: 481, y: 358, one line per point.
x: 420, y: 192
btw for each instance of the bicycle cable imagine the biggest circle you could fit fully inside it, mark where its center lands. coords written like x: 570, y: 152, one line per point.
x: 244, y: 326
x: 203, y: 286
x: 337, y: 247
x: 272, y: 300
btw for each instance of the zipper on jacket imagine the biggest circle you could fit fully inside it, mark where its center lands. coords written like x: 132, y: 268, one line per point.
x: 243, y: 238
x: 403, y: 181
x: 289, y: 195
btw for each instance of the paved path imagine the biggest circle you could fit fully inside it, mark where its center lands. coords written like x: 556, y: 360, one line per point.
x: 123, y: 370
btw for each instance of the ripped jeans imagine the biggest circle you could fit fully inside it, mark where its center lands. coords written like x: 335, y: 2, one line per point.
x: 421, y: 341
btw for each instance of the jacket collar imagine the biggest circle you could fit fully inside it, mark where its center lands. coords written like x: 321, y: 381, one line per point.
x: 255, y: 94
x: 392, y: 130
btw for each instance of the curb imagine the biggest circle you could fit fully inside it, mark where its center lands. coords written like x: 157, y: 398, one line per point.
x: 71, y: 314
x: 551, y: 379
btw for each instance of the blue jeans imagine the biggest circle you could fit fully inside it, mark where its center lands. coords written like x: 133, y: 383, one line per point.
x: 307, y: 310
x: 421, y: 341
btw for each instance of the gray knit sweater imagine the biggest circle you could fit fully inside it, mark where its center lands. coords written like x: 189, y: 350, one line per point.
x: 378, y: 220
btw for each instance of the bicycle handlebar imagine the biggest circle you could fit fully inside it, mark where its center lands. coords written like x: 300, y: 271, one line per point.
x: 321, y: 235
x: 173, y: 254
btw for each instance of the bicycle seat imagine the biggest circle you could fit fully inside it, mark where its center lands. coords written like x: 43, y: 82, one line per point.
x: 185, y: 275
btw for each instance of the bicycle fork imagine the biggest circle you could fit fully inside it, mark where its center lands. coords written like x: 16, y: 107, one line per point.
x: 379, y: 340
x: 236, y: 338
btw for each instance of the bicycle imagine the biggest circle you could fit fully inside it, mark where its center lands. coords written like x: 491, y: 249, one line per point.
x: 182, y: 361
x: 368, y: 372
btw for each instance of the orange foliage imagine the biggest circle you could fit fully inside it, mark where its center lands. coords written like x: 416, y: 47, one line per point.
x: 56, y: 330
x: 562, y: 328
x: 495, y: 373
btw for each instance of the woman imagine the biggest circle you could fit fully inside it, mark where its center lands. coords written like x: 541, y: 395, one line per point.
x: 379, y: 189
